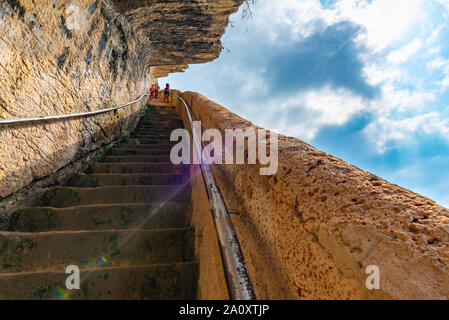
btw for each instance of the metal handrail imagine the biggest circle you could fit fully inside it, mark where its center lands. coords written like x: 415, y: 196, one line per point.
x: 236, y: 272
x: 71, y: 115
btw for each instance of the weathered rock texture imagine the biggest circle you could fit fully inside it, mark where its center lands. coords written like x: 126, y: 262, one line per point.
x: 311, y: 230
x: 59, y: 57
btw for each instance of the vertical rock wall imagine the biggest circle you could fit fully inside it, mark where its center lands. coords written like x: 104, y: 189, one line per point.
x: 60, y: 56
x: 56, y: 58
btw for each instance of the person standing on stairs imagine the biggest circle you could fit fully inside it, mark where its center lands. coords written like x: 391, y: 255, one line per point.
x: 152, y: 92
x: 156, y: 91
x: 166, y: 93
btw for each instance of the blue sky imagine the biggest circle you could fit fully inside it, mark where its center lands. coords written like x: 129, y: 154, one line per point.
x: 364, y: 80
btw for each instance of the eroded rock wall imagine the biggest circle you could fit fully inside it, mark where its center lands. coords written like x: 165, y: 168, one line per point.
x: 59, y: 57
x: 311, y: 230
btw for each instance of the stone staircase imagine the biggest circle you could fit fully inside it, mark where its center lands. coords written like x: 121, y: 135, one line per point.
x: 125, y: 223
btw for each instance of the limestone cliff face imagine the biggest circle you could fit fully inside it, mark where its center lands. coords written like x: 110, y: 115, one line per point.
x: 59, y: 57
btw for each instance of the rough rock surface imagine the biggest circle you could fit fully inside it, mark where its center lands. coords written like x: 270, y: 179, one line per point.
x: 311, y: 230
x: 59, y: 57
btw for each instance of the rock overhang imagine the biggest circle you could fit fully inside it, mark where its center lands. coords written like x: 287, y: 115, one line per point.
x: 176, y: 32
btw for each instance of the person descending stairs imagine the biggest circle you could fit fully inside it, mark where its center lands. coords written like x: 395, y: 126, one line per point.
x: 125, y: 223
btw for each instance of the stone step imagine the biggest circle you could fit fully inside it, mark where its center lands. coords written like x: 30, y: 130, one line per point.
x: 150, y: 135
x: 162, y: 146
x: 141, y: 152
x: 101, y: 217
x: 161, y: 113
x: 149, y: 140
x: 135, y: 141
x: 165, y: 131
x: 160, y: 118
x: 144, y: 141
x: 161, y: 108
x: 155, y: 123
x: 156, y: 282
x: 63, y: 197
x: 154, y: 146
x: 136, y: 179
x: 137, y: 168
x: 155, y: 110
x: 55, y: 250
x: 136, y: 159
x: 151, y: 130
x: 160, y: 125
x: 155, y: 126
x: 161, y: 128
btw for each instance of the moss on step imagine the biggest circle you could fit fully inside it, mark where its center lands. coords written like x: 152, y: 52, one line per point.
x: 13, y: 253
x: 44, y: 292
x: 171, y: 281
x: 52, y: 218
x: 61, y: 198
x: 87, y: 181
x: 101, y: 222
x: 126, y: 217
x: 34, y: 220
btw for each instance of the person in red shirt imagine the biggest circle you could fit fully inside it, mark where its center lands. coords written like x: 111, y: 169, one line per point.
x: 152, y: 92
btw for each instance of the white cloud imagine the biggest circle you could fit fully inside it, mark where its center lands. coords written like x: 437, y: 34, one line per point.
x: 444, y: 3
x: 376, y: 75
x: 399, y: 113
x: 437, y: 63
x: 435, y: 34
x: 444, y: 84
x: 335, y: 106
x: 403, y: 54
x: 434, y: 50
x: 299, y: 17
x: 385, y: 21
x: 440, y: 65
x: 385, y: 129
x: 328, y: 106
x: 318, y: 108
x: 404, y: 99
